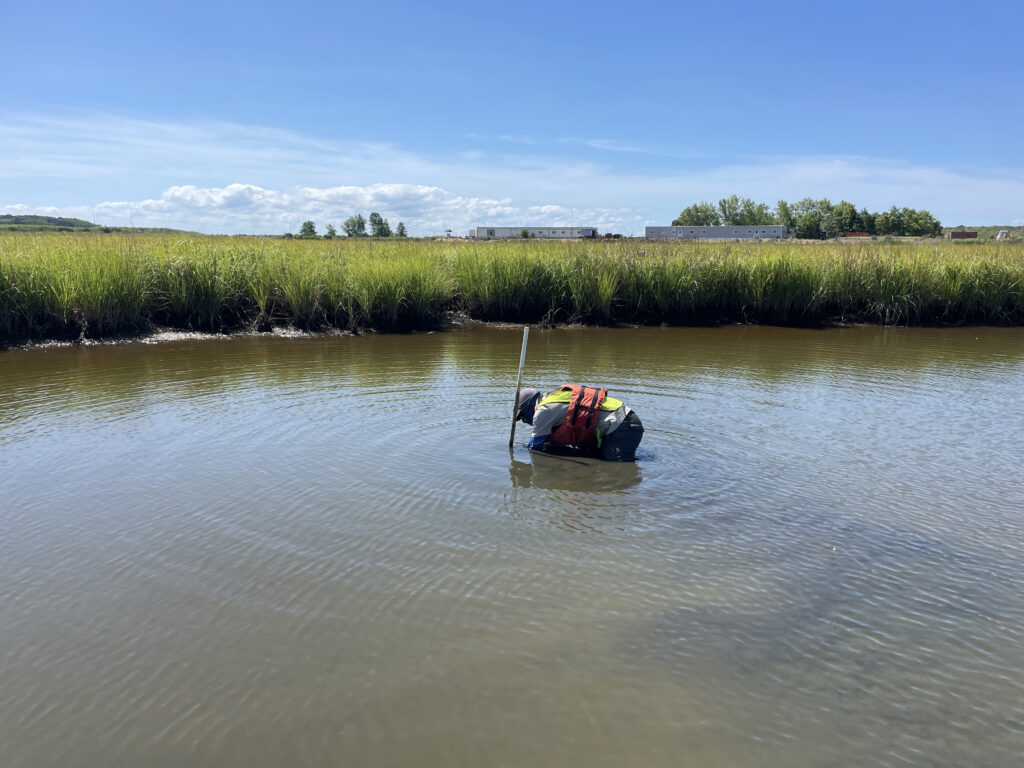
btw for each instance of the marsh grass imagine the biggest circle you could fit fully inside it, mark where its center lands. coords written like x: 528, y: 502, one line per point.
x: 68, y: 286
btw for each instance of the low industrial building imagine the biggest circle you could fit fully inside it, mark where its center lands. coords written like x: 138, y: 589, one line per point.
x: 550, y: 233
x: 761, y: 232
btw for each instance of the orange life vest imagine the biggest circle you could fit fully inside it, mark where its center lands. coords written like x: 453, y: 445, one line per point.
x: 581, y: 420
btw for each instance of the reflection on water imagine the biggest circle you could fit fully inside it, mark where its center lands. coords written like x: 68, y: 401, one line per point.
x: 572, y: 493
x: 572, y: 473
x: 316, y: 551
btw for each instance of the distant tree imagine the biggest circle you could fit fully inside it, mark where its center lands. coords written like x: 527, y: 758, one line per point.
x: 355, y: 226
x: 753, y: 214
x: 802, y: 207
x: 701, y: 214
x: 883, y: 223
x: 811, y: 219
x: 868, y: 220
x: 784, y: 215
x: 729, y: 210
x: 331, y: 232
x: 379, y: 226
x: 308, y: 229
x: 400, y: 232
x: 288, y: 235
x: 524, y: 233
x: 841, y: 219
x: 920, y: 223
x: 897, y: 224
x: 808, y: 226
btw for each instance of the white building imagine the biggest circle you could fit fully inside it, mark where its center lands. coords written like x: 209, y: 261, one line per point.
x: 760, y: 232
x: 550, y: 233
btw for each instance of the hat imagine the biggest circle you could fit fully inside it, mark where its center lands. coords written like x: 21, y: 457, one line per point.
x: 527, y: 404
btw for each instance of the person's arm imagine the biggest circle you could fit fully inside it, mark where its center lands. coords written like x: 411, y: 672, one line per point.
x: 545, y: 419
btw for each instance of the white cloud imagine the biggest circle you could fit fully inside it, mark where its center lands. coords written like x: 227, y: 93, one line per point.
x: 224, y: 177
x: 248, y: 208
x: 101, y: 146
x: 606, y: 145
x: 516, y: 139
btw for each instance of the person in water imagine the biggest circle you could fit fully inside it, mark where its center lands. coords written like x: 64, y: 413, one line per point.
x: 581, y: 419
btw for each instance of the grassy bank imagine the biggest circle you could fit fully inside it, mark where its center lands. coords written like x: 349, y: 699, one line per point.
x: 64, y: 286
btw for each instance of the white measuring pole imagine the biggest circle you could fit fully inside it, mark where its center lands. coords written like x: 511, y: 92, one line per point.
x: 519, y: 383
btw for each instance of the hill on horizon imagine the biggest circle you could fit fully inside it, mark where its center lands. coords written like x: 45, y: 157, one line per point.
x: 33, y: 223
x: 27, y: 221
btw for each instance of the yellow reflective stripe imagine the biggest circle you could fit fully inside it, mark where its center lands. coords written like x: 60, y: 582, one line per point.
x: 558, y: 396
x: 564, y: 396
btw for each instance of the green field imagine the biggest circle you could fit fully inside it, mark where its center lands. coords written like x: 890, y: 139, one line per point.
x: 94, y: 285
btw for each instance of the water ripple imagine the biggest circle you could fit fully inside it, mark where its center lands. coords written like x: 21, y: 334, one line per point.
x: 268, y: 551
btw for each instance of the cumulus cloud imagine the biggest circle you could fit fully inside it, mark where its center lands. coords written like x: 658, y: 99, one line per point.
x: 248, y: 208
x: 224, y: 177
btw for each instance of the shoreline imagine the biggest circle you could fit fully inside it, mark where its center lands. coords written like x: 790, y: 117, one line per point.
x: 457, y: 322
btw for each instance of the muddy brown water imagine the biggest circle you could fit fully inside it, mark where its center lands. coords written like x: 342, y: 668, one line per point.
x: 319, y: 551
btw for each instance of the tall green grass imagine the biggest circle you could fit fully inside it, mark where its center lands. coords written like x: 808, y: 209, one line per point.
x: 68, y: 286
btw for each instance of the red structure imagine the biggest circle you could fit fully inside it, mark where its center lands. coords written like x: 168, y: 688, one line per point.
x: 962, y: 235
x: 856, y: 234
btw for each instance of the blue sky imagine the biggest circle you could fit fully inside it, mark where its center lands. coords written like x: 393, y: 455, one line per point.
x: 253, y: 117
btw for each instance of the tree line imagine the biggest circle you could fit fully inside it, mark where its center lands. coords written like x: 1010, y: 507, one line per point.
x: 355, y: 226
x: 810, y: 219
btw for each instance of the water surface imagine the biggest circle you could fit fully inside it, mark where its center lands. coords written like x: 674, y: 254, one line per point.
x: 320, y: 551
